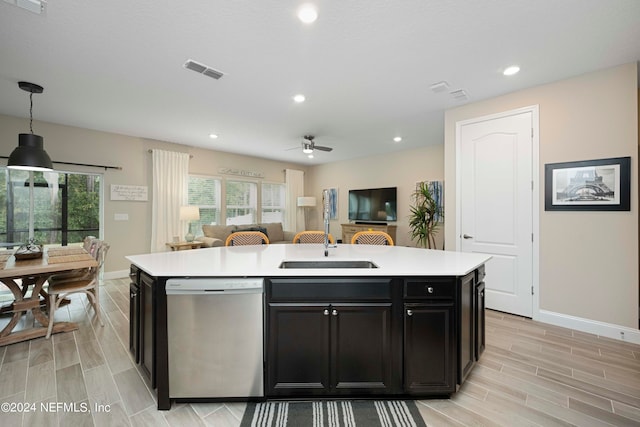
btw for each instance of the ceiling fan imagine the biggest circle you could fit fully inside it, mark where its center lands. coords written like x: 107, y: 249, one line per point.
x: 308, y: 145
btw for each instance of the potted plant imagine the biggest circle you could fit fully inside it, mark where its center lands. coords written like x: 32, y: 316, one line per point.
x: 426, y: 214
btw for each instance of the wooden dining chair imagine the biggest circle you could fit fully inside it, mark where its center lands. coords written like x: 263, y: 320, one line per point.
x: 87, y: 245
x: 242, y: 238
x: 312, y: 236
x: 372, y: 237
x: 86, y: 283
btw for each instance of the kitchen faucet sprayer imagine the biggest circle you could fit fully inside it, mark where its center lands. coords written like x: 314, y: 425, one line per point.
x: 325, y: 214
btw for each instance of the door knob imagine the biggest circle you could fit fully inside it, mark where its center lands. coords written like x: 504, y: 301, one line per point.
x: 409, y: 312
x: 334, y: 312
x: 466, y: 236
x: 326, y: 312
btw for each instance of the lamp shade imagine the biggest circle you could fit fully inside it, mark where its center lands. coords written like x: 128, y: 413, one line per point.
x: 189, y: 213
x: 30, y: 154
x: 306, y: 201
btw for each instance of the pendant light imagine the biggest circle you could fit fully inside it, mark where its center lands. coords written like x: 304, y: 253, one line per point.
x: 30, y: 154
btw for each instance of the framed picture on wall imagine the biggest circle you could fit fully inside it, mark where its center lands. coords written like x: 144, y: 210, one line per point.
x: 589, y: 185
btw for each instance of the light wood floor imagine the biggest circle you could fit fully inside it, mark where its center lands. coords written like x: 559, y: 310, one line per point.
x: 530, y: 374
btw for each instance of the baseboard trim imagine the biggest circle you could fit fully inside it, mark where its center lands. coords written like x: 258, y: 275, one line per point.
x: 118, y: 274
x: 608, y: 330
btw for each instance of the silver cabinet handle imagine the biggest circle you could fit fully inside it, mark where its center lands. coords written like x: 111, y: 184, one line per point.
x: 429, y: 289
x: 334, y: 312
x: 466, y: 236
x: 326, y: 312
x: 409, y: 312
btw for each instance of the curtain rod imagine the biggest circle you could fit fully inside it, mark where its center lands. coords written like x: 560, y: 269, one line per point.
x: 80, y: 164
x: 190, y: 155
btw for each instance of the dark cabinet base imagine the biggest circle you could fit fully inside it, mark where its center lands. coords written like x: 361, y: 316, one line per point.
x: 338, y: 337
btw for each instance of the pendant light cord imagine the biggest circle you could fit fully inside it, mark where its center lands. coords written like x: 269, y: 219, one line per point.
x: 31, y: 112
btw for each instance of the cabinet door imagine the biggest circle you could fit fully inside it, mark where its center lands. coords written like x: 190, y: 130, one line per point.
x: 147, y: 328
x: 361, y: 348
x: 429, y: 349
x: 298, y: 349
x: 466, y: 331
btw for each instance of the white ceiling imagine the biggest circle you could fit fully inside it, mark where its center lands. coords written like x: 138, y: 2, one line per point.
x: 365, y: 66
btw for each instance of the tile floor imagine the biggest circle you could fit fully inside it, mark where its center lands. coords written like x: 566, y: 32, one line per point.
x: 530, y: 374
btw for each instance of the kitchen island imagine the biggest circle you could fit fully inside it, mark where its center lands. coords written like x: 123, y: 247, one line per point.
x: 379, y: 321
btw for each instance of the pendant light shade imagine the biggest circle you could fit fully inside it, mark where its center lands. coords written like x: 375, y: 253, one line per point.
x: 30, y: 154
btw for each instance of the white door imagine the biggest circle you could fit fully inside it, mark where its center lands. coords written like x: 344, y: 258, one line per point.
x: 496, y: 205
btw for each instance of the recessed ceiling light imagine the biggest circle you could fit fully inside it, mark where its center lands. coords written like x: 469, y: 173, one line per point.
x: 397, y: 139
x: 307, y: 13
x: 299, y: 98
x: 510, y: 71
x: 213, y: 136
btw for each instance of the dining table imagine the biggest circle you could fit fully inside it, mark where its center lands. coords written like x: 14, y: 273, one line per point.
x: 26, y: 278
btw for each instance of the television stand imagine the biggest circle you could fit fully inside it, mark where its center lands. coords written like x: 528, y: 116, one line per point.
x: 370, y: 223
x: 348, y: 230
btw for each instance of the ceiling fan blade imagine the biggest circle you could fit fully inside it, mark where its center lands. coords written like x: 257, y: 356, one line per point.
x: 321, y: 148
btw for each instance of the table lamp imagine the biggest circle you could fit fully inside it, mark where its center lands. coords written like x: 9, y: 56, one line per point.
x: 306, y: 202
x: 189, y: 213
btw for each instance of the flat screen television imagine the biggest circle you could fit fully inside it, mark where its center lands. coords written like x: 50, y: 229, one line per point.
x: 373, y: 205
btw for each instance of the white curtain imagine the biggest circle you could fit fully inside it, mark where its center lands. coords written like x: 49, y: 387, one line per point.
x: 170, y: 182
x: 294, y: 181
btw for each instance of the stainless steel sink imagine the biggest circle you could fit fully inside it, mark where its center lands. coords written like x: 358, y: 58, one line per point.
x: 328, y: 264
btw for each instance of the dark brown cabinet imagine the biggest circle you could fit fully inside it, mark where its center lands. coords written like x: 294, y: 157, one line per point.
x: 466, y: 325
x: 341, y: 336
x: 134, y: 313
x: 148, y: 327
x: 297, y: 354
x: 479, y: 312
x: 333, y: 347
x: 429, y: 337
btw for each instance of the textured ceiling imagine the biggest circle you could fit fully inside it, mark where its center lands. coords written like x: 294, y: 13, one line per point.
x: 365, y: 66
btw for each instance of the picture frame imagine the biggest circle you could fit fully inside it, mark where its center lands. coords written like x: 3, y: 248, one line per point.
x: 588, y: 185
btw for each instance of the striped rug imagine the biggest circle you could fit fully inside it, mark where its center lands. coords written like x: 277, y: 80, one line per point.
x: 334, y: 413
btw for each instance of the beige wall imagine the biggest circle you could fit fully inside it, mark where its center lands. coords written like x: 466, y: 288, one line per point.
x: 401, y: 169
x: 71, y: 144
x: 588, y: 260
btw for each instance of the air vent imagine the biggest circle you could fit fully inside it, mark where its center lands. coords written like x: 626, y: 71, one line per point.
x: 440, y: 87
x: 203, y: 69
x: 35, y: 6
x: 459, y: 95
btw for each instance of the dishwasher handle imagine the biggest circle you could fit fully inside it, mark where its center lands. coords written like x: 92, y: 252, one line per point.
x: 214, y: 286
x: 214, y: 291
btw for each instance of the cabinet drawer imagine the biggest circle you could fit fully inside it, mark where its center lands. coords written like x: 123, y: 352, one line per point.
x: 320, y: 289
x: 428, y: 288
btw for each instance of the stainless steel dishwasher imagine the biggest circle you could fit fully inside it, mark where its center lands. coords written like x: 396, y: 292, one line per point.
x: 215, y: 336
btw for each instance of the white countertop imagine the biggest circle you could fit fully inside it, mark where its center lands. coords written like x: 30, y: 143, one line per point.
x: 263, y: 261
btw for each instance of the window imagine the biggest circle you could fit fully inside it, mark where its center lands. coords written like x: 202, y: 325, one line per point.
x: 273, y: 202
x: 51, y: 207
x: 204, y: 192
x: 241, y: 202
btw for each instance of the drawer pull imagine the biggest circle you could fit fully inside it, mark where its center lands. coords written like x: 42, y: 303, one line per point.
x: 409, y: 312
x: 429, y: 289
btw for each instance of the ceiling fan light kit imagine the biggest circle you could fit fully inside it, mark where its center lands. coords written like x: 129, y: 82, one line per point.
x: 308, y: 146
x: 30, y: 154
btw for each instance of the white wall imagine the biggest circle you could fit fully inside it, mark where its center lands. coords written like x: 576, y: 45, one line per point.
x: 588, y: 260
x: 71, y: 144
x: 402, y: 169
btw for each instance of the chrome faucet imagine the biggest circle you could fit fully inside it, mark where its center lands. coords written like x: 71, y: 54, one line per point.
x: 325, y: 203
